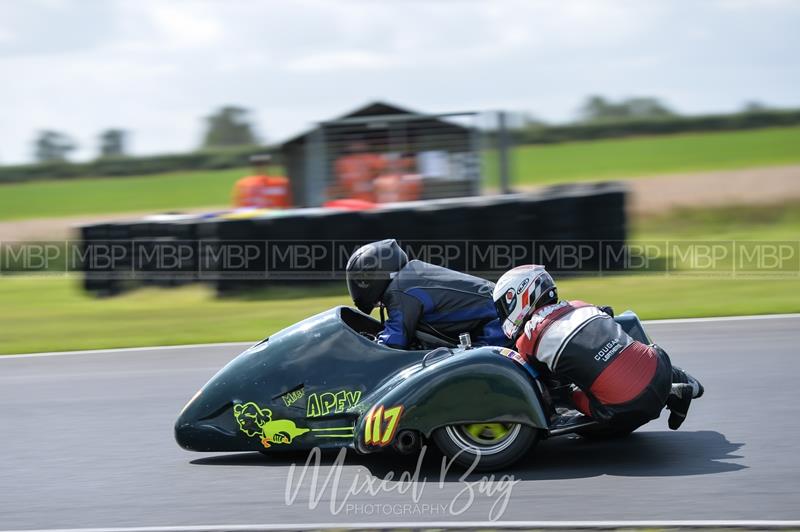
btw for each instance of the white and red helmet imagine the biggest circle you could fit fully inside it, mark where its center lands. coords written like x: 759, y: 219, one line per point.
x: 519, y: 292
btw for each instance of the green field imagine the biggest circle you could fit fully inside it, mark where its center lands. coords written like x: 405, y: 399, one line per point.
x: 154, y: 193
x: 667, y: 154
x: 52, y: 313
x: 544, y: 164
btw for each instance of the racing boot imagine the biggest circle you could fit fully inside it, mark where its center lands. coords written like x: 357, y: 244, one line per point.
x: 680, y: 376
x: 684, y: 389
x: 680, y: 397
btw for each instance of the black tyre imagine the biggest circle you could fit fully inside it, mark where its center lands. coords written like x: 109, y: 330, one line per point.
x: 498, y: 444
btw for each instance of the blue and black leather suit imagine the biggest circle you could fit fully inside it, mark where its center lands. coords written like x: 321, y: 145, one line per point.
x: 450, y: 302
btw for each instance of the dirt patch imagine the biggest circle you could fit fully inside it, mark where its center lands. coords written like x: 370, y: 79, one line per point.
x: 753, y: 186
x: 66, y: 227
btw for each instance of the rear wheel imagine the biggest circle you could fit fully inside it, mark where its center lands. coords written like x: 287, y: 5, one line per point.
x: 493, y: 445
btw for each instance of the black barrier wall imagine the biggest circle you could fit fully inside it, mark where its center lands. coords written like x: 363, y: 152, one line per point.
x: 572, y: 230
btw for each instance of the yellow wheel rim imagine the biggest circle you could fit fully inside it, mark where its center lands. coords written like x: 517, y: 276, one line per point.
x: 488, y: 432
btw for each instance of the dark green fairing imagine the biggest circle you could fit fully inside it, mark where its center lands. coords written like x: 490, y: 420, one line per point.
x: 321, y: 384
x: 459, y: 387
x: 320, y: 355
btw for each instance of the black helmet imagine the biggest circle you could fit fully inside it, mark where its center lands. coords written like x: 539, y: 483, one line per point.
x: 369, y: 272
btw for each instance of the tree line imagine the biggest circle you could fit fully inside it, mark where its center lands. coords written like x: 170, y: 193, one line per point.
x: 232, y: 126
x: 229, y: 126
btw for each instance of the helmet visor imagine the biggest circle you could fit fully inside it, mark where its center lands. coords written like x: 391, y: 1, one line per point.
x: 506, y: 304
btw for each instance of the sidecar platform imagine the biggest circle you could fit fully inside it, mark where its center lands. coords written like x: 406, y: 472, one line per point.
x: 569, y: 422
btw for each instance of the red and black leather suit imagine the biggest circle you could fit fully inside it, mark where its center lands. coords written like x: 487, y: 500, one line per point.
x: 622, y: 381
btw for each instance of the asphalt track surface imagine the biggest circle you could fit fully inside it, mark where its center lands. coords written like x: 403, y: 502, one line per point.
x: 87, y: 441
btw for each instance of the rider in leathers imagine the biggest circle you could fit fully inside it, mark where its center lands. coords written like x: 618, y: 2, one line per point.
x: 418, y: 295
x: 617, y: 380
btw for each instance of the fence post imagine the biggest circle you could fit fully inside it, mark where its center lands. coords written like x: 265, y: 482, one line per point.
x: 316, y: 169
x: 503, y: 146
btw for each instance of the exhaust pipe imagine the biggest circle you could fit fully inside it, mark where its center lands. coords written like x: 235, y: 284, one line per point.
x: 407, y: 442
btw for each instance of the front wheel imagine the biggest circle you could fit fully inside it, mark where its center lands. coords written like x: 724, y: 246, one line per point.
x: 493, y: 445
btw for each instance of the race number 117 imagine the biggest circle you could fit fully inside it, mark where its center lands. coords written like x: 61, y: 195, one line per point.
x: 381, y: 424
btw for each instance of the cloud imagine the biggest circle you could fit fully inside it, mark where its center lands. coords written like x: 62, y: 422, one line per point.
x: 6, y: 36
x: 158, y: 67
x: 186, y: 25
x: 758, y: 5
x: 378, y: 36
x: 53, y: 26
x: 341, y: 60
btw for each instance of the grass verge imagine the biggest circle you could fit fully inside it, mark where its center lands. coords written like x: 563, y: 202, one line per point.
x: 53, y: 314
x: 735, y: 222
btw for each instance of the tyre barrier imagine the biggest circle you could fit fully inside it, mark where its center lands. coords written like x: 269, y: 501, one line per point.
x: 575, y: 229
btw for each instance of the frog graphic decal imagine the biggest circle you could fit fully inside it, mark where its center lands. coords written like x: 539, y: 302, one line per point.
x: 257, y: 422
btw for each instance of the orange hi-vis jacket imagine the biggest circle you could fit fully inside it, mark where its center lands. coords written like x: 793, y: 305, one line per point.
x: 355, y: 174
x: 262, y: 191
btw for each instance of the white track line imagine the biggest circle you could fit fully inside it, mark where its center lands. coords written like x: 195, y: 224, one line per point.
x: 119, y: 350
x: 248, y: 344
x: 747, y: 524
x: 724, y: 318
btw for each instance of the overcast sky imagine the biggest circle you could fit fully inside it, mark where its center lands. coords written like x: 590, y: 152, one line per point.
x: 157, y: 68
